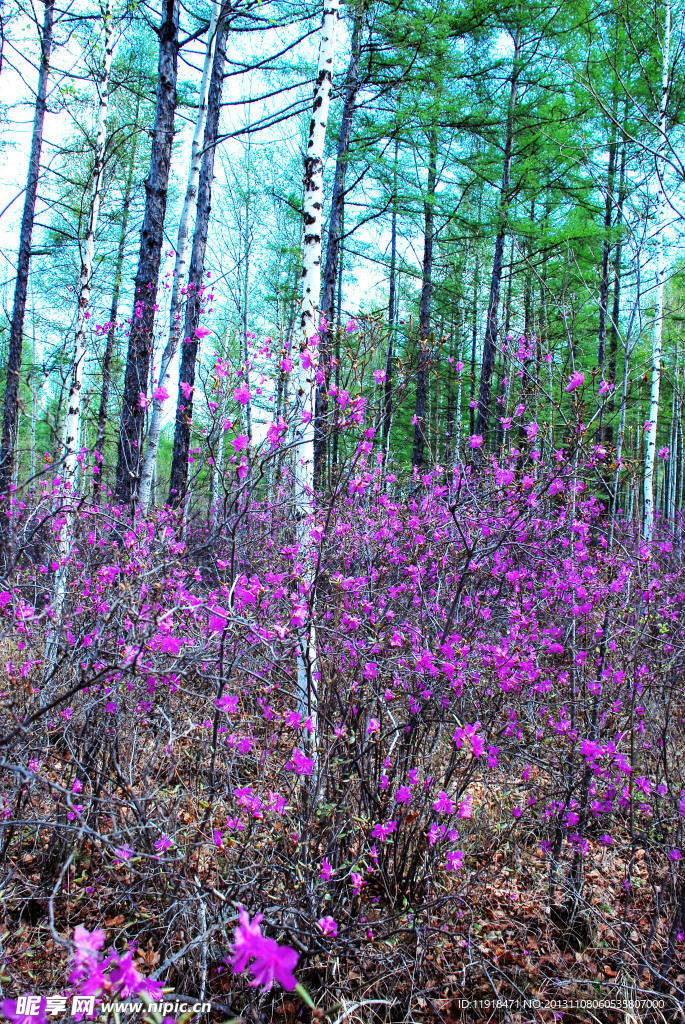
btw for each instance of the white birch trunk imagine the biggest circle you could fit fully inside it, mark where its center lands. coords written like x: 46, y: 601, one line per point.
x: 180, y: 267
x: 306, y: 351
x: 650, y: 440
x: 72, y: 424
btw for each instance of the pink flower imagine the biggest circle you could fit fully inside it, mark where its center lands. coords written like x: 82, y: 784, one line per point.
x: 143, y: 401
x: 459, y: 366
x: 27, y: 1009
x: 163, y: 844
x: 326, y: 870
x: 241, y: 442
x: 455, y: 860
x: 664, y: 452
x: 201, y: 332
x: 302, y: 765
x: 242, y: 394
x: 228, y: 703
x: 88, y: 943
x: 299, y: 615
x: 328, y: 926
x: 468, y: 736
x: 403, y: 795
x: 476, y: 441
x: 160, y: 394
x: 575, y: 380
x: 443, y: 805
x: 218, y: 619
x: 187, y: 389
x: 373, y: 726
x: 275, y: 431
x: 605, y: 387
x: 352, y: 325
x: 271, y: 962
x: 465, y: 808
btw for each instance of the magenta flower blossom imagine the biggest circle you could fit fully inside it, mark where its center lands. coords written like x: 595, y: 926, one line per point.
x: 575, y: 380
x: 301, y: 764
x: 242, y: 394
x: 403, y: 795
x: 465, y: 808
x: 443, y: 805
x: 373, y: 726
x: 270, y: 962
x: 160, y: 394
x: 468, y: 736
x: 27, y: 1009
x: 241, y: 442
x: 328, y: 926
x: 87, y: 943
x: 476, y: 441
x: 130, y: 981
x: 455, y: 860
x: 163, y: 844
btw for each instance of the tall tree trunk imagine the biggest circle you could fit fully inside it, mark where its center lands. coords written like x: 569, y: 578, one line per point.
x: 306, y: 368
x: 392, y: 306
x: 474, y: 336
x: 179, y: 279
x: 650, y: 440
x: 336, y: 351
x: 425, y: 306
x: 113, y: 314
x: 11, y: 406
x: 606, y: 245
x: 141, y: 335
x: 333, y: 246
x: 490, y: 338
x: 616, y: 303
x: 72, y: 426
x: 72, y: 422
x: 189, y: 349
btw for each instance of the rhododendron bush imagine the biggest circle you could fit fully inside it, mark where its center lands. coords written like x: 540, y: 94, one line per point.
x: 480, y: 789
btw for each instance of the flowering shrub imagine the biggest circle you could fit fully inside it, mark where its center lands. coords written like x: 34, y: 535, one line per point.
x: 478, y: 768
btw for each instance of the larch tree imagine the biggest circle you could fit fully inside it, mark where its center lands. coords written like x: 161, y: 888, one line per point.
x: 178, y: 286
x: 16, y: 343
x: 191, y: 344
x: 141, y: 333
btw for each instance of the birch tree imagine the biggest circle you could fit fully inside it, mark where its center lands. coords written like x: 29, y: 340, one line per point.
x: 161, y: 394
x: 72, y: 423
x: 309, y: 340
x: 661, y: 214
